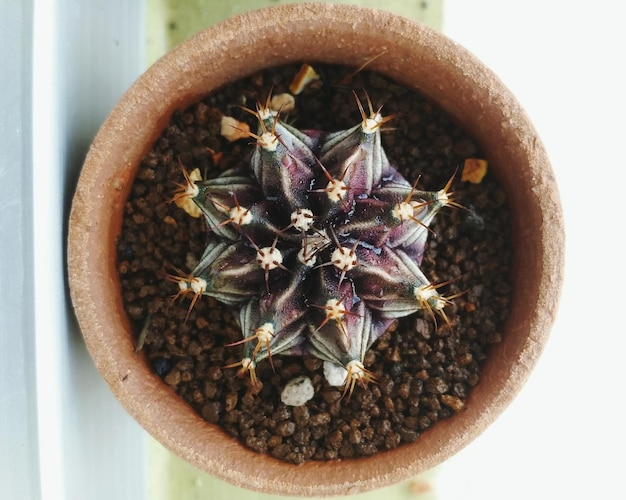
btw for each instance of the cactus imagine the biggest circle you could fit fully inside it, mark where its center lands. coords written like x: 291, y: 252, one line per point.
x: 315, y: 244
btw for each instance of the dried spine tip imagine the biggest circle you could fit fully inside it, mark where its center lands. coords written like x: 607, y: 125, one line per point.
x: 305, y: 76
x: 233, y: 130
x: 187, y: 192
x: 353, y: 226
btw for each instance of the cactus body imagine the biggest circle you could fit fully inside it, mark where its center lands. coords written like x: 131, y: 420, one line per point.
x: 316, y: 244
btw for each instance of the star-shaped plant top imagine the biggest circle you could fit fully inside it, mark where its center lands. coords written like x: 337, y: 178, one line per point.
x: 316, y: 244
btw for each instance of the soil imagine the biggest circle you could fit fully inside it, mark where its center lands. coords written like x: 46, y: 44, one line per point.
x: 425, y: 369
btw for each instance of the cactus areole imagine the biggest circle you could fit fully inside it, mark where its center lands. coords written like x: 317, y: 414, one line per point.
x: 316, y: 242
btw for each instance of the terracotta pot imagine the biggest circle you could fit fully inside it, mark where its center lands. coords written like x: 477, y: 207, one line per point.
x: 415, y: 56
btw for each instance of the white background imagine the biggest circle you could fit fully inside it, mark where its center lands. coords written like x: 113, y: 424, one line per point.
x: 563, y: 437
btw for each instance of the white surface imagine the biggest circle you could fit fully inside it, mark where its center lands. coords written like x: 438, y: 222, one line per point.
x: 19, y: 466
x: 86, y: 53
x: 564, y: 435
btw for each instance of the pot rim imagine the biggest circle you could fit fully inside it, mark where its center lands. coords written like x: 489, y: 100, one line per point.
x: 414, y: 55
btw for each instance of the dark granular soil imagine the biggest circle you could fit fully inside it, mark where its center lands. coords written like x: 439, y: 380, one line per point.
x: 425, y: 370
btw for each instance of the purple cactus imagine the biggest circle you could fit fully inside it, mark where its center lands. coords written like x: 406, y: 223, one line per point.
x: 315, y: 244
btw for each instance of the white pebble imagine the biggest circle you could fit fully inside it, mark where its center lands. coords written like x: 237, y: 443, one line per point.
x: 297, y: 391
x: 335, y: 374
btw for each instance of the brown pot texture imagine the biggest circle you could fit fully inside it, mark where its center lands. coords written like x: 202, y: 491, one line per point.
x: 415, y: 56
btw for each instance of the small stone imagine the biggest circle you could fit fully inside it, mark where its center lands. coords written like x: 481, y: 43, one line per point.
x: 335, y: 440
x: 335, y: 375
x: 304, y: 77
x: 285, y: 428
x: 302, y: 437
x: 408, y: 435
x: 233, y: 130
x: 168, y: 219
x: 392, y: 440
x: 257, y: 444
x: 404, y: 390
x: 281, y: 451
x: 291, y: 370
x: 465, y: 359
x: 297, y: 391
x: 197, y: 396
x: 210, y: 390
x: 346, y: 450
x: 474, y: 169
x: 283, y: 103
x: 301, y: 415
x: 320, y: 419
x: 312, y: 363
x: 231, y: 401
x: 393, y: 355
x: 135, y: 312
x: 173, y: 378
x: 366, y: 449
x: 453, y: 402
x: 423, y: 328
x: 274, y: 441
x: 331, y: 396
x: 355, y: 436
x: 211, y: 411
x: 383, y: 427
x: 436, y: 385
x: 145, y: 174
x: 282, y: 413
x: 214, y: 373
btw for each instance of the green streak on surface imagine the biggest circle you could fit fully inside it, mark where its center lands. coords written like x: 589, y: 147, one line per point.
x: 174, y: 479
x: 172, y: 21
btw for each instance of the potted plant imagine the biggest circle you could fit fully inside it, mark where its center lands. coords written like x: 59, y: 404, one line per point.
x: 410, y: 55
